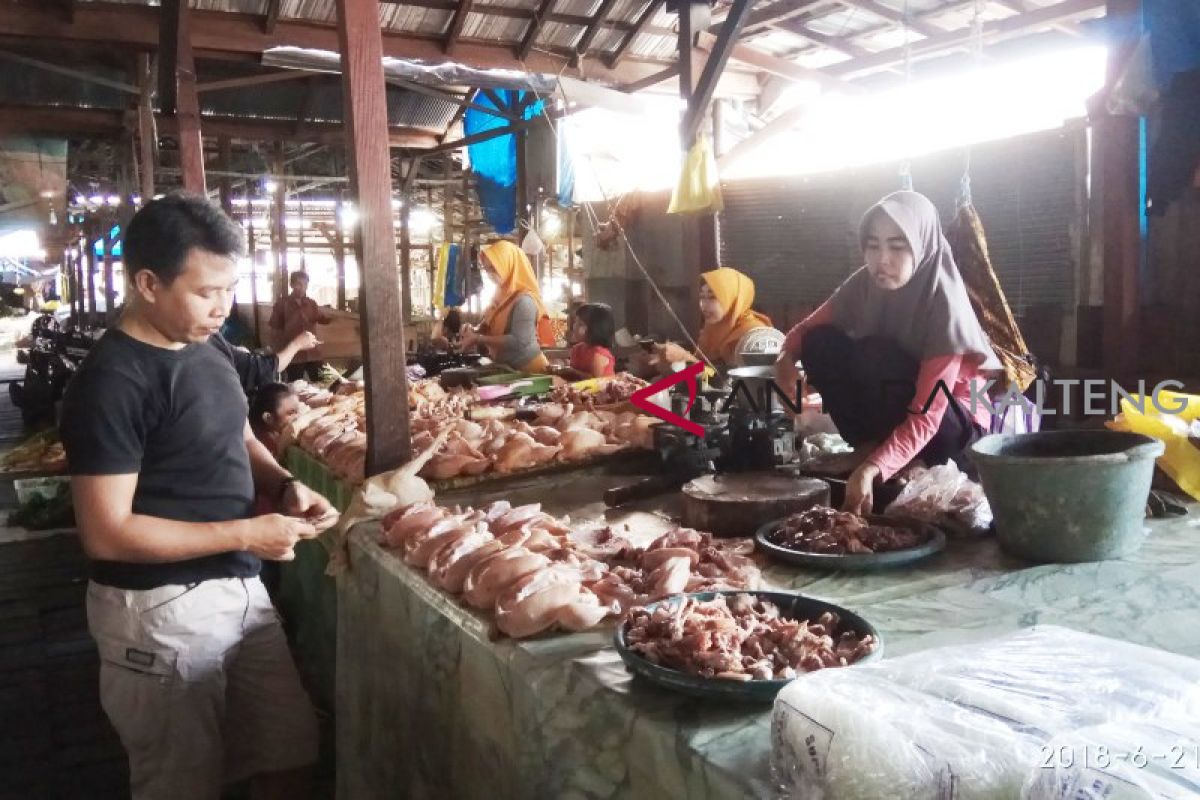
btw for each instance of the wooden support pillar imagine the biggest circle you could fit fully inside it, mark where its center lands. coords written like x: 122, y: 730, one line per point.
x: 146, y: 138
x: 1118, y: 142
x: 406, y: 253
x: 110, y: 289
x: 339, y: 252
x: 226, y: 185
x: 96, y: 234
x: 388, y: 437
x: 522, y: 204
x: 72, y: 265
x: 278, y: 229
x: 179, y: 69
x: 80, y: 276
x: 252, y: 253
x: 699, y: 231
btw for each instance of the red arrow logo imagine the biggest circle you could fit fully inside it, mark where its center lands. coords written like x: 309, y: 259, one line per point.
x: 641, y: 398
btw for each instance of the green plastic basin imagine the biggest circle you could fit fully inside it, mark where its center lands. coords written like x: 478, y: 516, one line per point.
x: 1066, y: 496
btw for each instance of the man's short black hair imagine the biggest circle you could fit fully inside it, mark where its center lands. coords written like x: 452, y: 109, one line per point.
x: 297, y: 275
x: 164, y: 231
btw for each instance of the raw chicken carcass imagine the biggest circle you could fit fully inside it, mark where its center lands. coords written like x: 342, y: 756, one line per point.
x: 379, y: 495
x: 521, y: 451
x: 533, y: 603
x: 445, y: 466
x: 670, y: 578
x: 492, y: 576
x: 413, y: 520
x: 450, y: 565
x: 581, y: 443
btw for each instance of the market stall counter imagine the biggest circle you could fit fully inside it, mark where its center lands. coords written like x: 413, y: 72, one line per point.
x: 432, y: 704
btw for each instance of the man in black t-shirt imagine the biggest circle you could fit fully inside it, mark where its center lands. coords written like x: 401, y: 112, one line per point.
x: 195, y: 672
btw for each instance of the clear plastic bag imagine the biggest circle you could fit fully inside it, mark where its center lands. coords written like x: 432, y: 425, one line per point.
x: 979, y: 721
x: 946, y: 497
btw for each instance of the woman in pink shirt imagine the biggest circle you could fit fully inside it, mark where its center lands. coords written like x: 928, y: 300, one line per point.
x: 894, y: 350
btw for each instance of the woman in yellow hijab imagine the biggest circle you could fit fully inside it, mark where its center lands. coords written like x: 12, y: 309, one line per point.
x: 726, y: 297
x: 515, y: 326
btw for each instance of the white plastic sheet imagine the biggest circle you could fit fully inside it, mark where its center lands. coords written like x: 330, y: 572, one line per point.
x: 984, y: 721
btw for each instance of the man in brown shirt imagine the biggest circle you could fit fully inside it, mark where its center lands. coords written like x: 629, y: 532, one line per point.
x: 294, y: 315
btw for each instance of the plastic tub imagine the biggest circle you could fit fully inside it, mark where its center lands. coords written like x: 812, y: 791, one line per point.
x: 1067, y: 496
x: 27, y: 488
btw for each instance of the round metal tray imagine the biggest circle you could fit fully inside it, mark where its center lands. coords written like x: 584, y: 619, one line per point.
x: 791, y: 606
x: 934, y: 543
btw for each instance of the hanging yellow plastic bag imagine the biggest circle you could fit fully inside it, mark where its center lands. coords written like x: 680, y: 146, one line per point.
x: 699, y: 187
x: 1181, y: 460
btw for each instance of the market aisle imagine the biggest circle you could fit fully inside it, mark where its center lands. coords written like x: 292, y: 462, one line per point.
x: 56, y: 741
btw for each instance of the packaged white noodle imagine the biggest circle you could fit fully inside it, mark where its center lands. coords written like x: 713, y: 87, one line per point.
x: 972, y: 722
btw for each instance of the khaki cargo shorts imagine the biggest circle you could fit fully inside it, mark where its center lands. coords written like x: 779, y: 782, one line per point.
x: 200, y: 685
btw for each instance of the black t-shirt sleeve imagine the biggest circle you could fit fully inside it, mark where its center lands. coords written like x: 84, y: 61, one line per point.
x: 255, y: 368
x: 104, y: 423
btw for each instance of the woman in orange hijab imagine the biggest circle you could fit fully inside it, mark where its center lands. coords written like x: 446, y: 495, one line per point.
x: 515, y: 326
x: 726, y: 297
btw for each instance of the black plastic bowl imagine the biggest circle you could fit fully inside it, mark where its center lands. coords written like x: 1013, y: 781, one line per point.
x: 791, y: 606
x: 935, y: 541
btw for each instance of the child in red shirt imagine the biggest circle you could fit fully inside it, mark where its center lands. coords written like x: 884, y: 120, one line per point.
x: 593, y: 332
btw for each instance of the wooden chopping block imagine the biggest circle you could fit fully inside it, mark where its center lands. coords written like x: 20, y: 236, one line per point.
x: 736, y: 504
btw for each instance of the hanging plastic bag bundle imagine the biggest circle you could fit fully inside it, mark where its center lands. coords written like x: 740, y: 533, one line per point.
x: 699, y: 187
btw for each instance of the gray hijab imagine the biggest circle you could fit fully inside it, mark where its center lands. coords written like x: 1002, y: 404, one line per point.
x: 930, y: 315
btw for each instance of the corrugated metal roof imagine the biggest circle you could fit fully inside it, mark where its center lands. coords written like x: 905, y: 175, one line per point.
x: 861, y: 27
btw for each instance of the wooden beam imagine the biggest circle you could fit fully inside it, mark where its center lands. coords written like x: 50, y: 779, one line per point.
x: 456, y: 25
x: 639, y: 27
x: 306, y: 105
x: 1017, y: 24
x: 667, y: 74
x: 176, y: 28
x: 816, y: 37
x: 224, y: 184
x: 535, y: 25
x: 221, y: 32
x: 764, y: 18
x: 388, y: 438
x: 589, y: 34
x: 472, y: 95
x: 496, y: 100
x: 271, y: 18
x: 480, y: 137
x: 53, y: 120
x: 698, y: 105
x: 779, y: 66
x: 779, y: 126
x: 78, y: 75
x: 147, y: 141
x: 449, y: 97
x: 896, y: 16
x: 256, y: 80
x: 168, y: 42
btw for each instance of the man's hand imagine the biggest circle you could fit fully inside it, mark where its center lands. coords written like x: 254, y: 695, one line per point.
x: 860, y: 489
x: 468, y: 336
x: 305, y: 341
x: 272, y: 537
x: 300, y: 501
